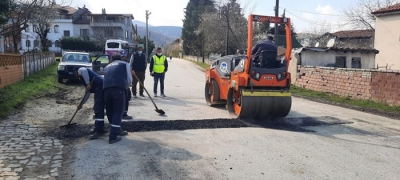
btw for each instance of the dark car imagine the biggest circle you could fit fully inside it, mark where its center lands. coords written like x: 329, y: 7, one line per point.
x: 69, y: 61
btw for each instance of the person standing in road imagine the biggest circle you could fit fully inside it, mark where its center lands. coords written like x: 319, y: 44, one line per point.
x: 128, y: 95
x: 117, y: 78
x: 93, y: 84
x: 139, y: 65
x: 158, y: 68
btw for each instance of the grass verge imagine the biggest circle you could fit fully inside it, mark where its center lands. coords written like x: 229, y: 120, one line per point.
x: 335, y: 99
x: 15, y: 95
x: 203, y: 65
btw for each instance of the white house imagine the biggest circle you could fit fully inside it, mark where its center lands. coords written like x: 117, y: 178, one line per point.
x: 68, y: 23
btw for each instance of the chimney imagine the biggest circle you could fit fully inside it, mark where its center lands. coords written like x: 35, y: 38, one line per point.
x: 103, y: 11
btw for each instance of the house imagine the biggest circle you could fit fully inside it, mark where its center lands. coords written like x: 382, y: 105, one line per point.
x: 305, y: 38
x: 387, y: 37
x: 67, y: 23
x: 112, y: 26
x: 342, y: 49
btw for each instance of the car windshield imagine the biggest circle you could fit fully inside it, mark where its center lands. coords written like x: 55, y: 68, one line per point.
x: 84, y: 58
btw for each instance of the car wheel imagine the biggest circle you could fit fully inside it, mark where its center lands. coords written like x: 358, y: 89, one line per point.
x: 60, y: 80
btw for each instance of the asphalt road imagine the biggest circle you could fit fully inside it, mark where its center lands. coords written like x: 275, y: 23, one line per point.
x: 316, y: 141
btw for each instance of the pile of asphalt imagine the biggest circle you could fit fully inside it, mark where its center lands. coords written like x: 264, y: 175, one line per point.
x: 77, y: 131
x: 142, y: 126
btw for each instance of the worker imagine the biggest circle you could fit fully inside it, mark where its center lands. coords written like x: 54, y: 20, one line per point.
x: 158, y: 68
x: 128, y: 91
x: 94, y: 84
x: 117, y: 78
x: 266, y: 44
x: 139, y: 65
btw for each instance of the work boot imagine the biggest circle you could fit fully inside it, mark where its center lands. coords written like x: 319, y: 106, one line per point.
x: 112, y: 141
x: 96, y: 135
x: 155, y: 94
x: 141, y: 95
x: 163, y: 95
x: 134, y: 96
x: 123, y: 133
x: 126, y: 116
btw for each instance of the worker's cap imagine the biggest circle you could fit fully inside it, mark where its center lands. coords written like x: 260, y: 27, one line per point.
x: 123, y: 53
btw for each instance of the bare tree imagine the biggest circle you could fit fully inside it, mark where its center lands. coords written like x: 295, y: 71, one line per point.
x: 359, y: 15
x: 20, y: 13
x: 102, y: 30
x: 46, y: 11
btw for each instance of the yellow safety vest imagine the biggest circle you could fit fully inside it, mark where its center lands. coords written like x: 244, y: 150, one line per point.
x: 158, y: 66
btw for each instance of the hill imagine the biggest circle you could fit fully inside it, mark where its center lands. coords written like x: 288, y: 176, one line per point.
x: 161, y: 35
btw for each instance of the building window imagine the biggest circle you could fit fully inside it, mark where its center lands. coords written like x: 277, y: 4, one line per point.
x: 126, y: 34
x: 84, y: 33
x: 57, y: 43
x: 67, y: 34
x: 49, y: 43
x: 340, y: 62
x: 34, y: 28
x: 28, y: 43
x: 56, y: 28
x: 356, y: 62
x: 36, y: 43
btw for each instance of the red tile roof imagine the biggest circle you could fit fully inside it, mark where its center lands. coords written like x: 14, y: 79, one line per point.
x: 355, y: 33
x: 393, y: 8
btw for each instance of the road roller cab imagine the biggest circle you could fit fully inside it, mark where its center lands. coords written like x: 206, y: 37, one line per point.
x: 250, y: 87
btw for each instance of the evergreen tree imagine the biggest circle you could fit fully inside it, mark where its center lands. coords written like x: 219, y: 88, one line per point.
x: 4, y: 11
x: 192, y: 41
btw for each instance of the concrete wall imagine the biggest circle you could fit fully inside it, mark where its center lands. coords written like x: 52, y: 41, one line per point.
x: 377, y: 85
x: 313, y: 58
x: 387, y: 41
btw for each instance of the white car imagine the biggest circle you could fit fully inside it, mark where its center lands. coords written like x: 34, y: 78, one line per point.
x: 71, y: 60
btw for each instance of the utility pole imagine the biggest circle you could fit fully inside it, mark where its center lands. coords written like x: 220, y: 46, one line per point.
x: 147, y: 34
x: 276, y: 24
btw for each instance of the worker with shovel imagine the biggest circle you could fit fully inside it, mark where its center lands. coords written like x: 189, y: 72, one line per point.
x: 94, y: 84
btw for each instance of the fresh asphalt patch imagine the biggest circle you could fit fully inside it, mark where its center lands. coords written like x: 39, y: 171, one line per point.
x: 297, y: 124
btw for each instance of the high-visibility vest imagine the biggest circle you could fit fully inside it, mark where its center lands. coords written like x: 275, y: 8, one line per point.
x: 158, y: 66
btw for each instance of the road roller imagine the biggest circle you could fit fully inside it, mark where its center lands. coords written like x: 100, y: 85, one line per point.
x: 252, y: 88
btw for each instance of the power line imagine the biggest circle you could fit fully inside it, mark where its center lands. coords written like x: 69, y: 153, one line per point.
x: 316, y: 13
x: 307, y: 20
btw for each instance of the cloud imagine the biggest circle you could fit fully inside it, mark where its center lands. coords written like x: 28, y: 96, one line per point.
x: 328, y: 9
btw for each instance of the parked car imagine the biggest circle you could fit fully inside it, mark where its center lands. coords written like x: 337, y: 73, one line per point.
x: 69, y: 61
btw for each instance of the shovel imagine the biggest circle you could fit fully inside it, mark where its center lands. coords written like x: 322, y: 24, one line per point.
x: 86, y: 96
x: 69, y: 123
x: 160, y: 111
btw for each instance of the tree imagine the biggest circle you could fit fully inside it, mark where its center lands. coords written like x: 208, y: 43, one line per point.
x: 4, y: 11
x: 19, y: 15
x: 43, y: 17
x: 359, y: 15
x: 102, y: 30
x: 194, y: 10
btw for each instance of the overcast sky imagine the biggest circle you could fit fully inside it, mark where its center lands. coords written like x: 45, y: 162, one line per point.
x: 304, y: 13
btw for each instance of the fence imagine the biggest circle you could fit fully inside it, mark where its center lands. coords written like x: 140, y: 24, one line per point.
x: 35, y: 62
x: 14, y: 68
x: 207, y: 60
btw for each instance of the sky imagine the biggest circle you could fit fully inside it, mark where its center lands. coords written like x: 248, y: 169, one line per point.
x: 305, y: 14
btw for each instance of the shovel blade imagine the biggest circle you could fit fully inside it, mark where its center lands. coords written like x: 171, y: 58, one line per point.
x: 160, y: 111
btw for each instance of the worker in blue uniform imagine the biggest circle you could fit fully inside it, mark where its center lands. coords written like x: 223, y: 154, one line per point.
x: 93, y: 84
x: 117, y: 78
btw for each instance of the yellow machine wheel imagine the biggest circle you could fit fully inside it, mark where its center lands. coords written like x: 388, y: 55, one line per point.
x: 259, y: 105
